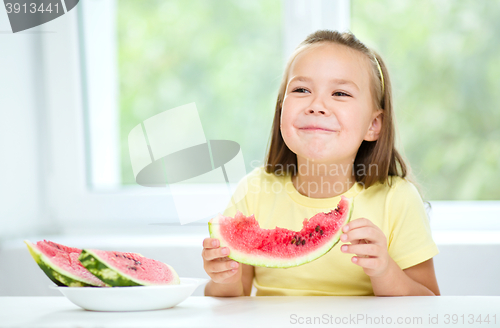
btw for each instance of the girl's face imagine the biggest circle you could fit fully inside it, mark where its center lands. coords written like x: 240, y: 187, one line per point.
x: 328, y: 109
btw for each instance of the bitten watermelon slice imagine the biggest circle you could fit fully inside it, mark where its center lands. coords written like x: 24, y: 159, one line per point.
x: 279, y: 247
x: 120, y: 269
x: 60, y: 263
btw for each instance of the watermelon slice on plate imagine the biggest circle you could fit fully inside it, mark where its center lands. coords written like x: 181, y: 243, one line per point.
x: 279, y: 247
x: 60, y: 263
x: 120, y: 269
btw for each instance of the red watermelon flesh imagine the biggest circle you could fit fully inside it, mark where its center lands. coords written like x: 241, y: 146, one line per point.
x: 280, y: 247
x: 63, y: 258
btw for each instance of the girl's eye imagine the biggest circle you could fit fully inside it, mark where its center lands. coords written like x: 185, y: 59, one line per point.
x: 301, y: 90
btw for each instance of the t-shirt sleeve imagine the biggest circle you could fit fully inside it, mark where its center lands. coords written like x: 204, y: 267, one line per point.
x: 243, y: 197
x: 410, y: 240
x: 232, y: 207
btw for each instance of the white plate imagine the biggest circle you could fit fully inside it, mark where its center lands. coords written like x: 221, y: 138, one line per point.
x: 136, y: 298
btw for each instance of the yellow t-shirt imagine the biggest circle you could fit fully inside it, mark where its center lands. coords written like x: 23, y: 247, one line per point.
x: 398, y: 211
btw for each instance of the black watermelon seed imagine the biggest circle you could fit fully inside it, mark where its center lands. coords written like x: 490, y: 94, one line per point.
x: 317, y: 228
x: 303, y: 241
x: 297, y: 243
x: 293, y: 241
x: 310, y: 234
x: 321, y: 232
x: 299, y: 239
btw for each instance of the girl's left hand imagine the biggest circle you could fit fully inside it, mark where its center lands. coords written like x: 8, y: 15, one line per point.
x: 369, y: 243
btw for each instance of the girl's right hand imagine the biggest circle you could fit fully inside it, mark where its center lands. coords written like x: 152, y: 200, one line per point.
x: 218, y: 265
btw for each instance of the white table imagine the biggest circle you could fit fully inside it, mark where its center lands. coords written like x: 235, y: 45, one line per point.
x: 256, y: 312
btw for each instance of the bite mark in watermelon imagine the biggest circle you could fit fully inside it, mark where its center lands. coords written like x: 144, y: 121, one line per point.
x: 120, y: 269
x: 279, y: 247
x: 60, y: 263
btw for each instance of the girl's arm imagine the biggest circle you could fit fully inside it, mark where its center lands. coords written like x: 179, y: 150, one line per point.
x: 223, y: 290
x: 226, y: 280
x: 418, y: 280
x: 424, y: 274
x: 247, y: 278
x: 369, y: 244
x: 238, y: 288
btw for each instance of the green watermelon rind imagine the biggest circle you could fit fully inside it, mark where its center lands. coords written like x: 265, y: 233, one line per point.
x: 113, y: 276
x: 59, y: 276
x: 250, y: 259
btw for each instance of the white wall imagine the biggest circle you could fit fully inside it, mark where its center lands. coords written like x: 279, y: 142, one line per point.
x: 21, y: 112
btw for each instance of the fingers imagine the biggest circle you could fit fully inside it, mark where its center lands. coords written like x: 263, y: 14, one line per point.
x: 211, y: 243
x: 375, y: 265
x: 367, y: 263
x: 216, y: 262
x: 362, y: 249
x: 369, y: 243
x: 222, y: 266
x: 372, y: 234
x: 220, y: 277
x: 354, y: 224
x: 212, y: 251
x: 210, y: 254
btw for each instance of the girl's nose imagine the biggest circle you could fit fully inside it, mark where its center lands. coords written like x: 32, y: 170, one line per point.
x: 312, y: 111
x: 317, y: 107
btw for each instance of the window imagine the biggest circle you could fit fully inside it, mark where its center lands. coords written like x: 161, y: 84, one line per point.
x: 445, y: 124
x: 169, y: 53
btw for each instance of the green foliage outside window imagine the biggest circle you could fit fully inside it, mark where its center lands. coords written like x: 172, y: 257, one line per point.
x: 226, y: 56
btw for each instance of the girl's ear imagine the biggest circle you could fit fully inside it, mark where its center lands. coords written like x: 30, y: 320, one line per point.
x: 375, y: 127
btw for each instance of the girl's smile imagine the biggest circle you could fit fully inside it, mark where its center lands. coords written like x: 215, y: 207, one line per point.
x: 316, y: 128
x: 313, y: 129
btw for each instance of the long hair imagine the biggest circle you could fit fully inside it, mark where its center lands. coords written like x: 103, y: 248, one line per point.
x: 381, y: 153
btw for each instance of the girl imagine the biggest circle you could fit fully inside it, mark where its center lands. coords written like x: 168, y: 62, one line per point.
x: 333, y: 134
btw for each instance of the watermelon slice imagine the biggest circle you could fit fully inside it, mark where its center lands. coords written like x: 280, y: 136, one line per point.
x: 60, y: 263
x: 279, y: 247
x: 120, y: 269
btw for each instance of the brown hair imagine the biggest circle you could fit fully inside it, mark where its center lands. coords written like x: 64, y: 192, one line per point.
x: 381, y: 152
